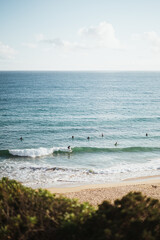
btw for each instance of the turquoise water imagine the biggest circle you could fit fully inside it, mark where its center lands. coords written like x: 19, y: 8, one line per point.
x: 47, y: 108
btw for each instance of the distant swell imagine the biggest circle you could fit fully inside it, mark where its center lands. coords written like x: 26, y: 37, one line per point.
x: 76, y: 150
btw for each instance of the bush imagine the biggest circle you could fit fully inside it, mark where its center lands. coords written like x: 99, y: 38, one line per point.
x: 134, y: 217
x: 29, y: 214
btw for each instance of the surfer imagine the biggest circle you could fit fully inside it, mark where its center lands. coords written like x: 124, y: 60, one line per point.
x: 102, y: 135
x: 146, y: 134
x: 21, y: 138
x: 88, y: 138
x: 69, y: 147
x: 116, y: 144
x: 72, y: 137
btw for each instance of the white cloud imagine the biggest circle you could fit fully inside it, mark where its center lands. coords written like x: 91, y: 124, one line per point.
x: 103, y: 34
x: 29, y: 45
x: 57, y: 42
x: 62, y: 44
x: 148, y: 40
x: 154, y: 40
x: 39, y: 37
x: 6, y: 52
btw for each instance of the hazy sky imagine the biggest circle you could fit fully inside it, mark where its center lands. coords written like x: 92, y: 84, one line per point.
x: 79, y: 35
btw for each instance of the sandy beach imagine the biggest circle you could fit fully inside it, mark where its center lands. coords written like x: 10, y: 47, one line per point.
x: 96, y: 194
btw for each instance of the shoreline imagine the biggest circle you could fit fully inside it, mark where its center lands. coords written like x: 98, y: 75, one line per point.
x: 96, y: 193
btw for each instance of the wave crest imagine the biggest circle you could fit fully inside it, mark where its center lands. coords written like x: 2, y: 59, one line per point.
x: 39, y: 152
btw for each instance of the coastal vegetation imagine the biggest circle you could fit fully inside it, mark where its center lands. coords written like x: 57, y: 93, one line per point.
x: 27, y: 214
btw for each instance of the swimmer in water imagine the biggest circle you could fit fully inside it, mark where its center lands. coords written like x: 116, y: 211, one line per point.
x: 116, y: 144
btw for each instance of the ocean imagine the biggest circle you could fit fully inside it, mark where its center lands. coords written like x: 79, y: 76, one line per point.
x: 46, y: 109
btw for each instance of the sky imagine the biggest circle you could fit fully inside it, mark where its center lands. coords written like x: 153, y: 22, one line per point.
x: 108, y: 35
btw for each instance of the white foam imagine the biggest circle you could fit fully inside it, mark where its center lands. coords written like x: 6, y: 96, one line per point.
x: 41, y: 174
x: 33, y: 152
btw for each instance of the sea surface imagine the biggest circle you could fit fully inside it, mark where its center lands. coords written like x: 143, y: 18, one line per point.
x: 47, y: 108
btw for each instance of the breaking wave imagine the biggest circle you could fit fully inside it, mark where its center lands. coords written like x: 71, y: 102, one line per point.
x: 39, y: 152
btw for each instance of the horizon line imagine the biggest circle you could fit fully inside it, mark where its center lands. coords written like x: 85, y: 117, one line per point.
x: 54, y: 70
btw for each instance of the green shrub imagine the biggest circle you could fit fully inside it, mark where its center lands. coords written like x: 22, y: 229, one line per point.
x: 27, y: 214
x: 134, y: 217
